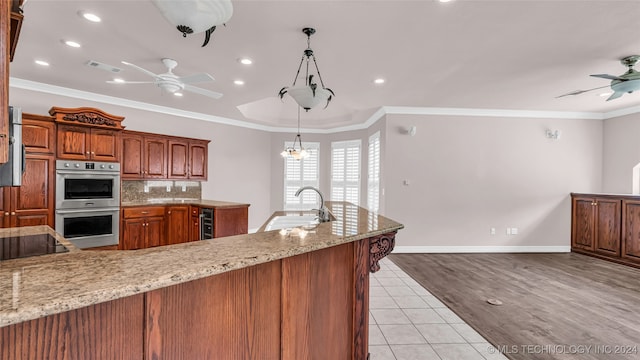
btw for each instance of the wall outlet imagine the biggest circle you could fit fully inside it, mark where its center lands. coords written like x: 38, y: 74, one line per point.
x: 184, y: 188
x: 514, y: 231
x: 168, y: 188
x: 146, y: 188
x: 492, y: 231
x: 508, y: 231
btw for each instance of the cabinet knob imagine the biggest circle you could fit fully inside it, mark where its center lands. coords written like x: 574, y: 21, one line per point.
x: 6, y: 213
x: 13, y: 213
x: 93, y: 153
x: 144, y: 212
x: 169, y: 212
x: 87, y: 153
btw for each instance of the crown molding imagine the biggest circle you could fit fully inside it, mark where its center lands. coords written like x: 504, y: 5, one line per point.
x: 379, y: 114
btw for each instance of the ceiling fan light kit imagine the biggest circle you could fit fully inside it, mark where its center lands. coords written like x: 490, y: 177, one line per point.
x: 196, y: 16
x: 625, y: 83
x: 310, y: 94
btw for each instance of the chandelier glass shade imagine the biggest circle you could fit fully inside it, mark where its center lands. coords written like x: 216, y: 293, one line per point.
x: 298, y: 153
x: 310, y: 94
x: 195, y: 16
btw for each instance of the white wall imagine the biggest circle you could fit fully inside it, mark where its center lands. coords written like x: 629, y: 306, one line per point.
x: 468, y: 174
x: 621, y: 153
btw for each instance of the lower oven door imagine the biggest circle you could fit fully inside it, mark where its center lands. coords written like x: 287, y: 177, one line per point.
x: 87, y: 228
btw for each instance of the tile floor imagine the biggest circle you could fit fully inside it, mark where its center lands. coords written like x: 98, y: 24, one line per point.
x: 406, y: 322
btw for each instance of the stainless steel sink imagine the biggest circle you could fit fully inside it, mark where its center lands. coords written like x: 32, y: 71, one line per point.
x: 291, y: 221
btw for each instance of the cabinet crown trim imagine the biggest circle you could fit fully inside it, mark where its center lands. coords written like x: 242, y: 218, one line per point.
x: 87, y: 116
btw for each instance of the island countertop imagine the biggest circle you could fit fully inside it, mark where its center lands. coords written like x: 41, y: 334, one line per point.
x: 44, y: 285
x: 198, y: 202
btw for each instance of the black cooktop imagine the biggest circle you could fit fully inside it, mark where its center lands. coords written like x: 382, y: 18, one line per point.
x: 14, y: 247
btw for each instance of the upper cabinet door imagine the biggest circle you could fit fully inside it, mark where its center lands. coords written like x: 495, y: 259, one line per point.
x: 38, y: 136
x: 73, y: 142
x: 155, y: 157
x: 132, y: 159
x: 198, y: 160
x: 104, y: 145
x: 178, y: 155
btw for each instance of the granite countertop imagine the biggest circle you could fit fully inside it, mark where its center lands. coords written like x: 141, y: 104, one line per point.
x: 44, y: 285
x: 199, y: 202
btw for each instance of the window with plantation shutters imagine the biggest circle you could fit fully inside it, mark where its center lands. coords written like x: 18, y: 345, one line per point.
x: 373, y: 173
x: 299, y: 173
x: 345, y: 171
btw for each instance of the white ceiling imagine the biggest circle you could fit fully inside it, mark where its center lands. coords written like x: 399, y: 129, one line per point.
x: 498, y: 54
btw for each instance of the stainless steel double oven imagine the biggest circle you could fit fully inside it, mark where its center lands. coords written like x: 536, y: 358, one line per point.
x: 88, y: 202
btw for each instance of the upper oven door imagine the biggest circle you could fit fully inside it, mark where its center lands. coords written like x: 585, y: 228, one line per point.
x: 86, y: 189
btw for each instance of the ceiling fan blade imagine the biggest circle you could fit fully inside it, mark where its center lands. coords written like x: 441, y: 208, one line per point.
x: 578, y: 92
x: 607, y: 76
x: 140, y: 69
x: 196, y: 78
x: 615, y: 95
x: 130, y: 82
x: 197, y: 90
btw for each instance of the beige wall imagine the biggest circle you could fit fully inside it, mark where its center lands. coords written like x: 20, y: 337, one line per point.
x: 621, y: 153
x: 468, y: 174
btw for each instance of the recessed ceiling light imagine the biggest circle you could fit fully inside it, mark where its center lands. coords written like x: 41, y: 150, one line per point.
x: 245, y: 61
x: 238, y: 82
x: 378, y: 81
x: 604, y: 94
x: 42, y: 62
x: 445, y: 1
x: 89, y: 16
x: 177, y: 93
x: 118, y: 80
x: 71, y: 43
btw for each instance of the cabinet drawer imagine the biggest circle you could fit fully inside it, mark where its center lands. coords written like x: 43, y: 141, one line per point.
x: 145, y: 211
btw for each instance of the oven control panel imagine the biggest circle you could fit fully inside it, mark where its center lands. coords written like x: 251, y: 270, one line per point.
x: 87, y: 166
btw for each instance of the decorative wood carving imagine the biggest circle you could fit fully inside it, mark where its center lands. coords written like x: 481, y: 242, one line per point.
x: 379, y: 247
x: 88, y: 117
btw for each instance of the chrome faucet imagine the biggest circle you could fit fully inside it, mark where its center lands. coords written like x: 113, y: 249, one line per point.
x: 323, y: 212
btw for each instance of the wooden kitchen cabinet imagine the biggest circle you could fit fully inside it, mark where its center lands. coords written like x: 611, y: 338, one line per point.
x: 153, y: 156
x: 85, y: 143
x: 229, y: 221
x: 142, y: 227
x: 33, y: 203
x: 631, y: 230
x: 144, y: 156
x: 198, y: 158
x: 178, y: 220
x: 87, y: 134
x: 194, y: 224
x: 596, y: 224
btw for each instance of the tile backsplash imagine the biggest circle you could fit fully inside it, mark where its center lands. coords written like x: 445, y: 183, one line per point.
x: 135, y: 190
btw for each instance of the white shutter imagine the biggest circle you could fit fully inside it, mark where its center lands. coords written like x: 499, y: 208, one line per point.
x: 299, y: 173
x: 345, y: 171
x: 373, y: 181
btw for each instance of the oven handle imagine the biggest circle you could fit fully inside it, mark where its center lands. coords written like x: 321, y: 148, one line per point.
x: 92, y: 210
x: 84, y: 172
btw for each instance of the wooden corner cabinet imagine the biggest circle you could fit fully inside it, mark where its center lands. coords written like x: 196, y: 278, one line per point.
x: 33, y: 202
x: 154, y: 156
x: 87, y: 134
x: 606, y: 226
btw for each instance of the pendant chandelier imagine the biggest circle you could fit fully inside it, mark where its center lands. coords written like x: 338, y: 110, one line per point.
x: 296, y: 153
x: 310, y: 94
x: 195, y: 16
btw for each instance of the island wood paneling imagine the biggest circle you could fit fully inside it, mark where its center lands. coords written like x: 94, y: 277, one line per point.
x: 234, y: 315
x: 317, y: 304
x: 110, y: 330
x: 230, y: 221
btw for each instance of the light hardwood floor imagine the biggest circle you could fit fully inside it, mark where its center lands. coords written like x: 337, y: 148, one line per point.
x: 555, y: 306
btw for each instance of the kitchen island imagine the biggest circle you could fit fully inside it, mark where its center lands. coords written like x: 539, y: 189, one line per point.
x: 268, y: 295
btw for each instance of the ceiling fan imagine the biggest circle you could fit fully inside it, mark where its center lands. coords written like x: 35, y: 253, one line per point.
x: 172, y: 83
x: 625, y: 83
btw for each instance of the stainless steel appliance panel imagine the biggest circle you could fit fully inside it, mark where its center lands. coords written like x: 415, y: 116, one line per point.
x: 87, y: 185
x: 11, y: 171
x: 87, y: 228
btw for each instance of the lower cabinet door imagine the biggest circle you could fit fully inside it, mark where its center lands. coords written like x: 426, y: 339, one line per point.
x: 631, y: 230
x: 608, y: 214
x: 133, y: 234
x: 177, y: 225
x: 155, y: 231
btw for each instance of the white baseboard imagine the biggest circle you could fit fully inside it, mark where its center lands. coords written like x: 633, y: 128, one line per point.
x: 481, y: 249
